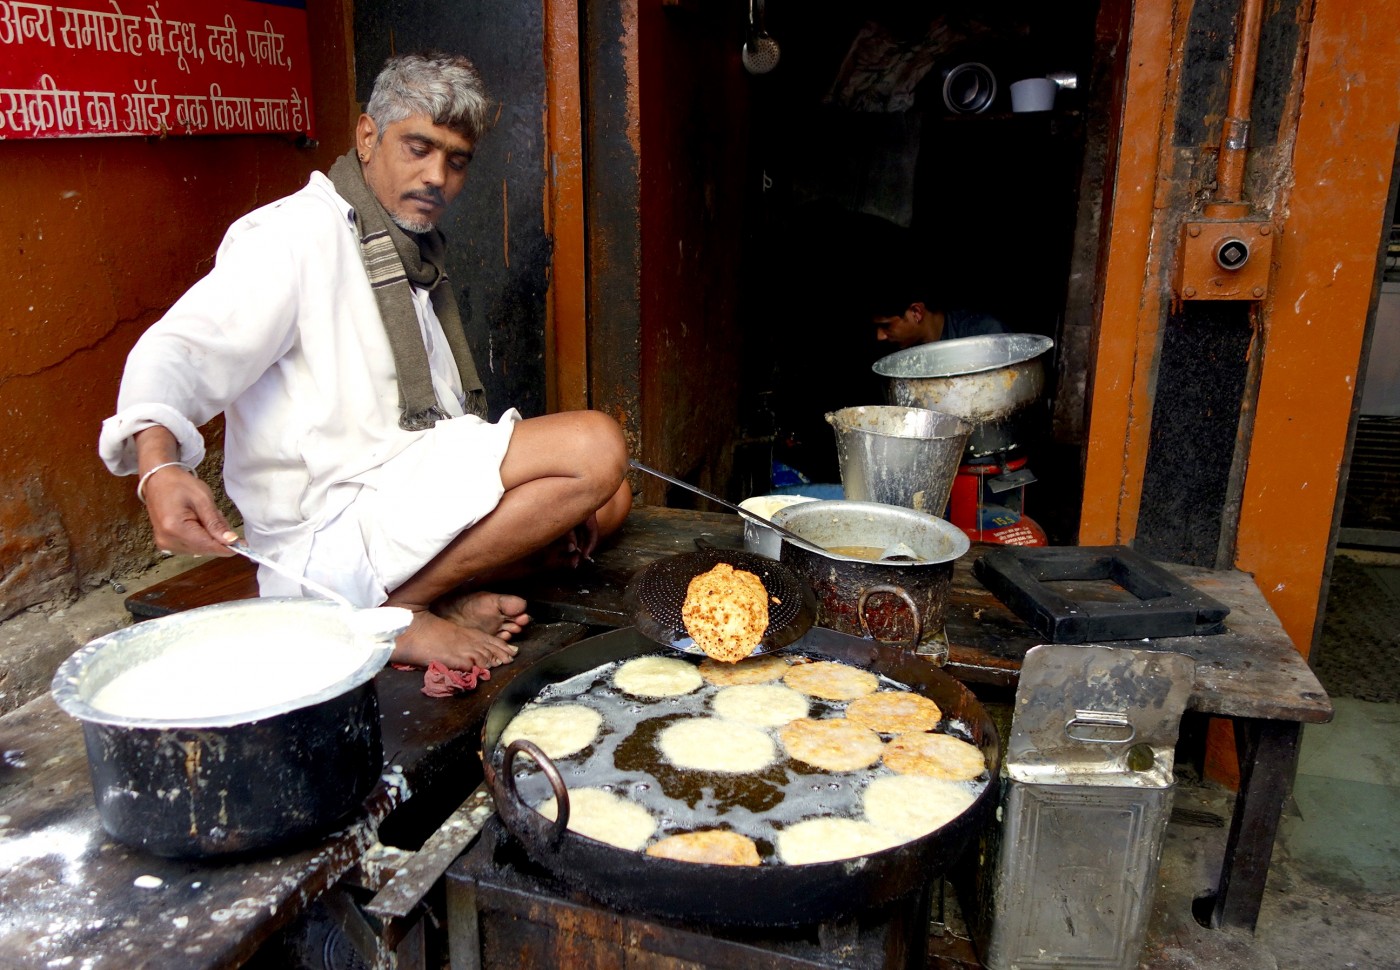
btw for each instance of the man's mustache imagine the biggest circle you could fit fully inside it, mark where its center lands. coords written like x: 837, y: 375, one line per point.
x: 432, y: 195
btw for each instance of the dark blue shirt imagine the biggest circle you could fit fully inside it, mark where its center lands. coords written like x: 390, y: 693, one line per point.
x: 969, y: 323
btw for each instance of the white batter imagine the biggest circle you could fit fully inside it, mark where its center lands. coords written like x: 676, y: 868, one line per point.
x: 712, y: 744
x: 657, y: 677
x: 827, y: 839
x: 560, y: 730
x: 606, y: 817
x: 229, y: 671
x: 760, y: 705
x: 914, y: 805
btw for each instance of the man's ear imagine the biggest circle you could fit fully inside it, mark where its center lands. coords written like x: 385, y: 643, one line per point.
x: 366, y: 134
x: 916, y: 311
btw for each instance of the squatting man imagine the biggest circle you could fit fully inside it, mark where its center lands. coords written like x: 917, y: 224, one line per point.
x: 356, y: 444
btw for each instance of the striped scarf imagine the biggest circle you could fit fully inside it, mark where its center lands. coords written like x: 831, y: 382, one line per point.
x: 394, y: 260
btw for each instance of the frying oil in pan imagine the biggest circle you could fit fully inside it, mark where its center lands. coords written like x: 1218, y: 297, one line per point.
x: 625, y: 760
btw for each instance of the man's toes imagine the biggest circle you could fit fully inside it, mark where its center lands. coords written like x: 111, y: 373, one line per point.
x: 510, y: 606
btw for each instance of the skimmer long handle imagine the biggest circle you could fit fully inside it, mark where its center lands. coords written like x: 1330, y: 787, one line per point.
x: 793, y: 536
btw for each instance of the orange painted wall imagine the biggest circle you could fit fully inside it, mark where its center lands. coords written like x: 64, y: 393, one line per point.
x: 99, y: 237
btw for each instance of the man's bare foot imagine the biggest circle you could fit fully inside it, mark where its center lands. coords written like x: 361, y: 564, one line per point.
x: 498, y: 614
x: 431, y: 637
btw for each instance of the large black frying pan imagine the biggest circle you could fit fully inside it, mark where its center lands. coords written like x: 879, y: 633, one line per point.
x: 766, y: 895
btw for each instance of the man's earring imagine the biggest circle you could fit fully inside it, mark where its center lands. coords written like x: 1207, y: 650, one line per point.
x: 363, y: 156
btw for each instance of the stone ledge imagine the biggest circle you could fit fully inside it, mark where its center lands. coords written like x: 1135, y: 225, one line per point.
x: 33, y: 643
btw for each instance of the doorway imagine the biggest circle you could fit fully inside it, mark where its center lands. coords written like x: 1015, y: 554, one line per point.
x: 886, y: 139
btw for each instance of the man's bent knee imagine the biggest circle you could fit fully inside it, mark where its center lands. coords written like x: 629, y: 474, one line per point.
x: 599, y: 454
x: 586, y: 446
x: 610, y: 462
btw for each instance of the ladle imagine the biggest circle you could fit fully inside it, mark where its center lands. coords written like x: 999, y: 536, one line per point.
x: 241, y: 547
x: 897, y: 553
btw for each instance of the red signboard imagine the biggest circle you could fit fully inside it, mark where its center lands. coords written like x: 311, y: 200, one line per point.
x: 164, y: 67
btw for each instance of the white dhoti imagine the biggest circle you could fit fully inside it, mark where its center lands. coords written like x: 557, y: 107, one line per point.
x: 392, y: 522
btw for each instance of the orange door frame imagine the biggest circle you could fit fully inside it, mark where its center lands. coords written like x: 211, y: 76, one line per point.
x: 1315, y: 319
x: 566, y: 330
x: 1131, y: 300
x: 1312, y: 323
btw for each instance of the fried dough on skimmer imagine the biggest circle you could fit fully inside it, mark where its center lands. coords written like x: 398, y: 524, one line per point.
x: 726, y: 612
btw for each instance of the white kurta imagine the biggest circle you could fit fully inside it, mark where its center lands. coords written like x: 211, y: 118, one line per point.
x: 284, y: 337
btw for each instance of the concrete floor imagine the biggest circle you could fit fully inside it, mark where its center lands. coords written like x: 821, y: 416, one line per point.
x: 1333, y: 894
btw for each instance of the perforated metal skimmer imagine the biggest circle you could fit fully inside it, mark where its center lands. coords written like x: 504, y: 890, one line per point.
x: 656, y: 593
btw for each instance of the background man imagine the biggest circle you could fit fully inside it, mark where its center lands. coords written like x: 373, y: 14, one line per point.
x: 356, y: 445
x: 905, y: 306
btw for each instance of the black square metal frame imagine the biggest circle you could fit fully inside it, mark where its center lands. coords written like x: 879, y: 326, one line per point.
x: 1162, y: 605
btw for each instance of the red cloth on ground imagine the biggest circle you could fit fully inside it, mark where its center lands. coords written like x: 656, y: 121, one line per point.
x: 440, y: 680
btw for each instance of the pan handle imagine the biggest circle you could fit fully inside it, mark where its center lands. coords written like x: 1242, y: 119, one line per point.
x: 556, y: 782
x: 902, y: 593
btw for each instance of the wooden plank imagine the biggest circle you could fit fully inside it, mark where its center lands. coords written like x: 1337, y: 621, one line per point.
x: 1252, y: 670
x: 411, y: 883
x: 67, y: 890
x: 217, y: 581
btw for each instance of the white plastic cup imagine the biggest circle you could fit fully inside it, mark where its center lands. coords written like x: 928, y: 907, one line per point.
x: 1033, y: 94
x: 759, y: 538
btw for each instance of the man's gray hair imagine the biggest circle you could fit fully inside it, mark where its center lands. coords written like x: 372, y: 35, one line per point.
x: 445, y: 87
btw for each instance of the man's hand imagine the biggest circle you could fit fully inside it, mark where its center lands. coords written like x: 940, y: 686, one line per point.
x: 586, y: 536
x: 184, y: 516
x: 181, y: 507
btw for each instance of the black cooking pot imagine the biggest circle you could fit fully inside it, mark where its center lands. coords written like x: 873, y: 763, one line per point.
x: 764, y: 895
x: 232, y: 784
x: 904, y: 598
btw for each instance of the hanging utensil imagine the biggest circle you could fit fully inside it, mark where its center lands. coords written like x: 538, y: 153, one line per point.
x: 760, y: 50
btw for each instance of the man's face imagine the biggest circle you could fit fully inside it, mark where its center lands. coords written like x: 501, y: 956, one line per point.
x: 905, y: 330
x: 414, y: 167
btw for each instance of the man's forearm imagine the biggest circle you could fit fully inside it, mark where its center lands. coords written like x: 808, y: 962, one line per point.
x: 155, y: 446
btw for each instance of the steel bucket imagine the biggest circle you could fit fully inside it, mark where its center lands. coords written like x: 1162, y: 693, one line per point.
x: 899, y: 455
